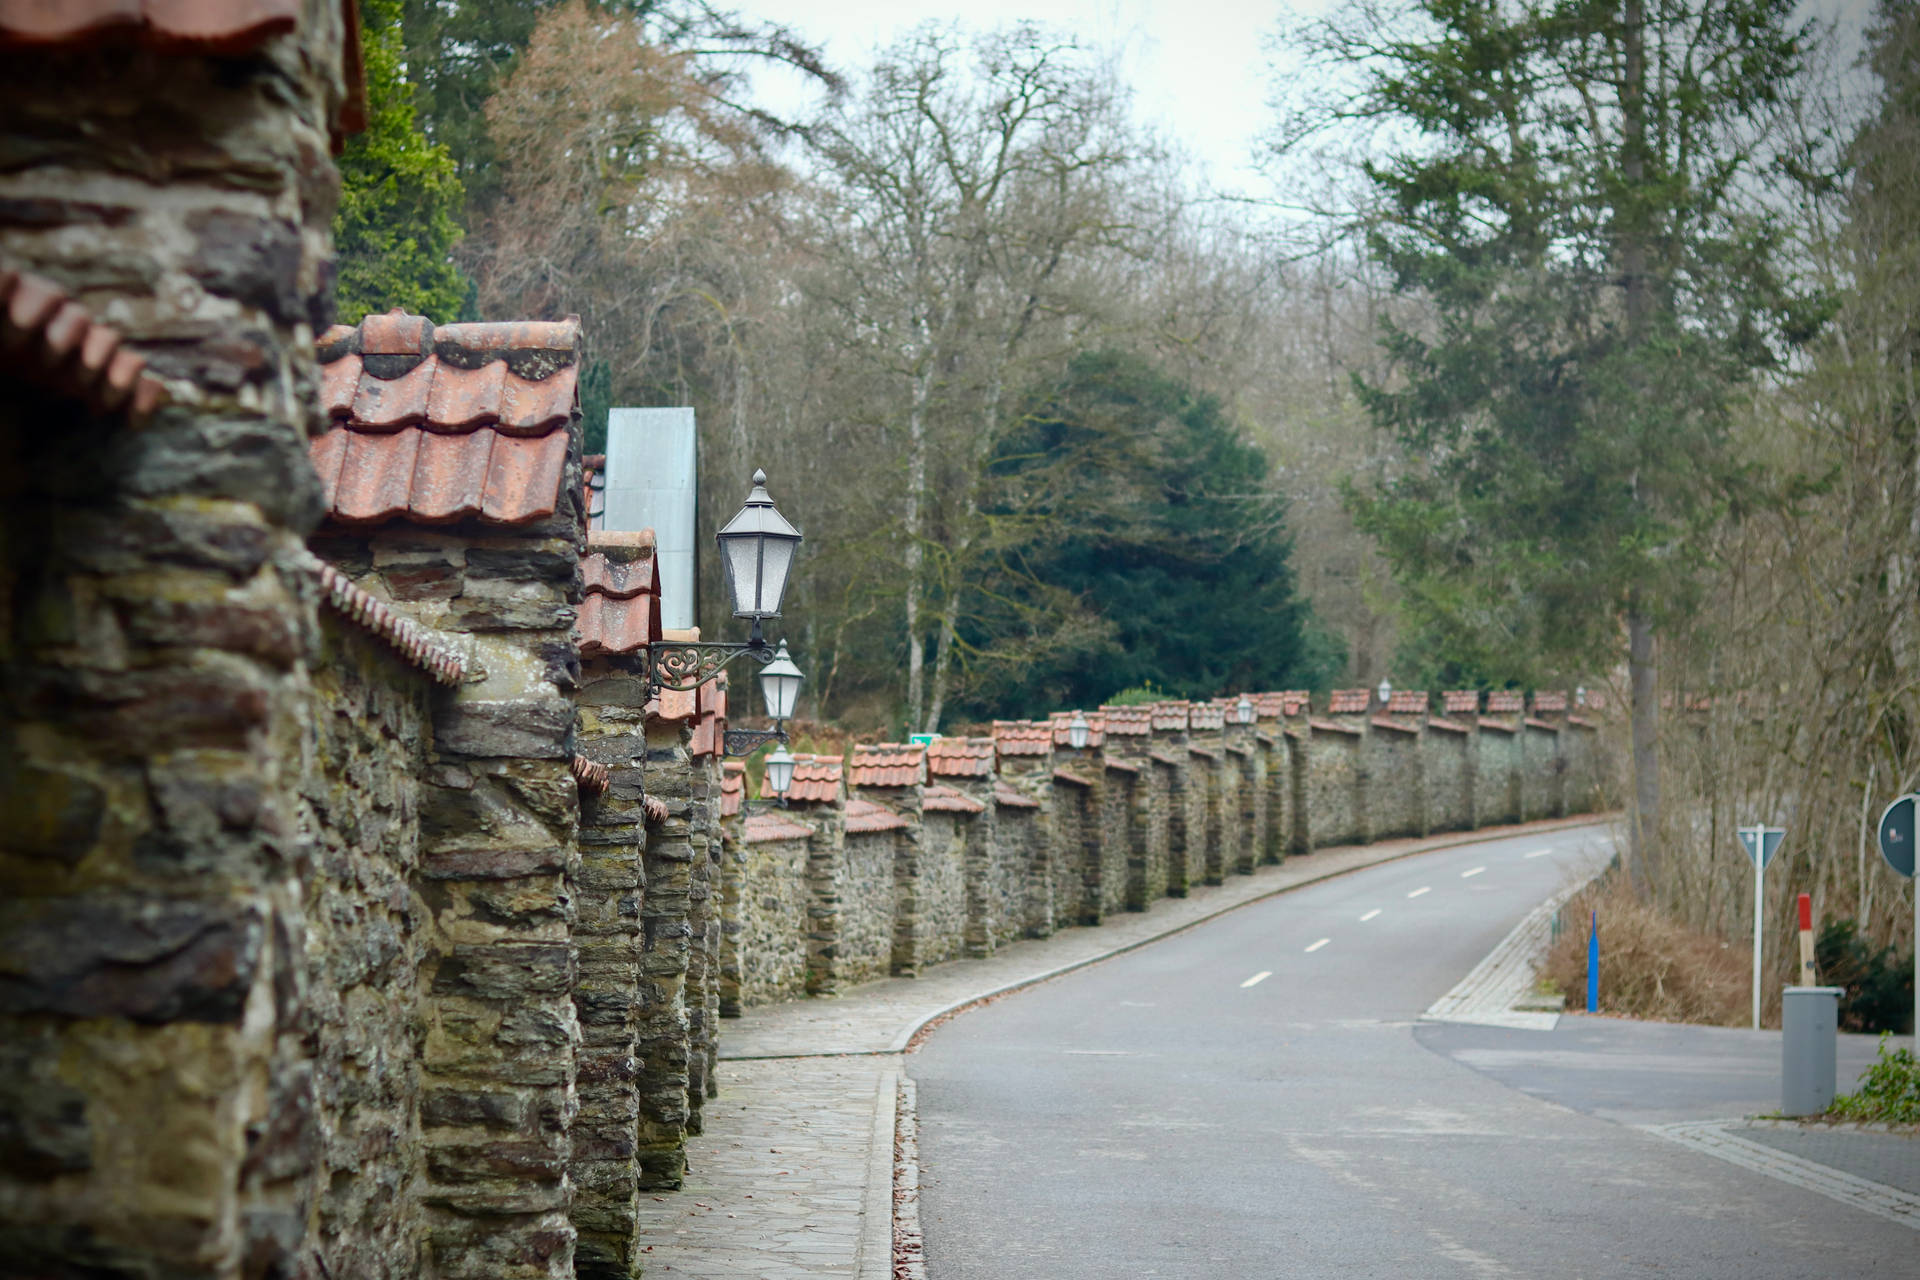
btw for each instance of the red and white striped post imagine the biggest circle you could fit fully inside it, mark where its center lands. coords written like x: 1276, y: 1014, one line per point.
x: 1806, y: 941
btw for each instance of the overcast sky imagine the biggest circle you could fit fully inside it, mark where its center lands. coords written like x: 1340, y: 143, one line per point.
x: 1199, y: 69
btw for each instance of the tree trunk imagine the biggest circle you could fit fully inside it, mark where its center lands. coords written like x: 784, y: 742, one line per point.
x: 943, y: 655
x: 913, y: 518
x: 1644, y: 713
x: 1642, y: 678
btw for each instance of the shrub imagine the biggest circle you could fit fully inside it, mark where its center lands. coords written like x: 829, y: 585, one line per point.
x: 1890, y: 1094
x: 1878, y: 982
x: 1138, y: 696
x: 1651, y: 965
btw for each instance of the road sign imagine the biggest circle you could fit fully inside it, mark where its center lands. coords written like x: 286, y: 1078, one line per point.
x: 1896, y: 846
x: 1896, y: 835
x: 1761, y: 843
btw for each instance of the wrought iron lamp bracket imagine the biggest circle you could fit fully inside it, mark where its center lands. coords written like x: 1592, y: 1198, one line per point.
x: 682, y: 667
x: 744, y: 742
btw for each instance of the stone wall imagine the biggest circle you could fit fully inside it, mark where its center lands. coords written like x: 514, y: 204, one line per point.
x: 767, y: 912
x: 1496, y: 772
x: 365, y: 914
x: 863, y: 894
x: 163, y: 246
x: 1331, y: 799
x: 1448, y: 759
x: 1396, y: 779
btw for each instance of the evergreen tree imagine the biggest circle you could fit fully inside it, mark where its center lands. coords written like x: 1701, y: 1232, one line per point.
x: 1137, y: 543
x: 1585, y: 198
x: 400, y: 200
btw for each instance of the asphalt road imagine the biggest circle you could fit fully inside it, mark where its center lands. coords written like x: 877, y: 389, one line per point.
x: 1166, y: 1114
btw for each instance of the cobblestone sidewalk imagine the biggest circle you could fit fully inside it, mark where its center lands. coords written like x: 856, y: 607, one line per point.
x: 794, y: 1174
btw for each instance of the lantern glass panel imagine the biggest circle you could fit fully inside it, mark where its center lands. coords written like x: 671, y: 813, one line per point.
x: 779, y: 771
x: 742, y: 555
x: 773, y: 578
x: 1244, y: 710
x: 1077, y: 732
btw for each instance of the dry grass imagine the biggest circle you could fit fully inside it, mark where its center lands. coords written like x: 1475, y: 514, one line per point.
x: 1651, y: 965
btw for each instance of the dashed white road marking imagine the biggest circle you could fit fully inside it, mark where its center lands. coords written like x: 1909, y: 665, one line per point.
x: 1474, y: 872
x: 1538, y: 853
x: 1316, y: 946
x: 1098, y: 1053
x: 1370, y: 915
x: 1257, y: 978
x: 1427, y: 888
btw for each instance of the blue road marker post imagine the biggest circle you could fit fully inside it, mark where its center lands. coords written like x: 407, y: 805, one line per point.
x: 1593, y: 963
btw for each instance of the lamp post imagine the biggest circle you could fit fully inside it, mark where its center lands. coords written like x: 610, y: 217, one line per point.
x: 780, y: 772
x: 1385, y: 690
x: 1243, y: 710
x: 1077, y: 730
x: 779, y: 689
x: 757, y: 548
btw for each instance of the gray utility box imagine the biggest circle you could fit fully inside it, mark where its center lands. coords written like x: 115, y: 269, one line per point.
x: 1810, y: 1022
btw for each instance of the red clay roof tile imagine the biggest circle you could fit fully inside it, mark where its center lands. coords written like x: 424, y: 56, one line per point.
x: 53, y: 342
x: 1010, y: 798
x: 1398, y: 726
x: 1446, y: 726
x: 733, y: 787
x: 620, y: 611
x: 441, y: 424
x: 816, y: 779
x: 1349, y: 702
x: 1128, y: 722
x: 1504, y: 702
x: 1549, y: 701
x: 1022, y: 737
x: 1409, y: 702
x: 938, y: 799
x: 1061, y: 720
x: 1457, y: 701
x: 864, y: 816
x: 1169, y: 715
x: 594, y: 778
x: 420, y: 646
x: 228, y: 27
x: 1071, y: 779
x: 764, y: 827
x: 1206, y: 715
x: 1332, y: 726
x: 960, y: 757
x: 887, y: 764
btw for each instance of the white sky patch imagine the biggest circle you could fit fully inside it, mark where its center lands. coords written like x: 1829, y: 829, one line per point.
x: 1201, y: 71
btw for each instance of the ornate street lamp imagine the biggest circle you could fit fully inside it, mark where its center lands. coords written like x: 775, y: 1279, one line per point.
x: 780, y: 772
x: 1243, y: 710
x: 1077, y: 730
x: 1385, y: 690
x: 757, y: 548
x: 779, y: 690
x: 1580, y: 695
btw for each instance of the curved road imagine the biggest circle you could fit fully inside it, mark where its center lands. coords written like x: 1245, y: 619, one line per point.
x: 1251, y: 1098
